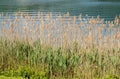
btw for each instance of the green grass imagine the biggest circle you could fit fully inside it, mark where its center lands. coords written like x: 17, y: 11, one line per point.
x: 44, y: 62
x: 3, y: 77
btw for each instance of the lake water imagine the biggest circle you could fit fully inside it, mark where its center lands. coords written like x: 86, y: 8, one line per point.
x: 106, y: 10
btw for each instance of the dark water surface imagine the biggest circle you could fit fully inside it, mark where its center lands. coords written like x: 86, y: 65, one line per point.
x: 107, y: 10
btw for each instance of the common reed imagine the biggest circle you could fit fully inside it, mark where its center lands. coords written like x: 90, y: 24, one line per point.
x: 61, y: 45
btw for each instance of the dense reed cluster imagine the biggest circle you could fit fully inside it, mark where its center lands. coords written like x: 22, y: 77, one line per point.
x: 59, y: 46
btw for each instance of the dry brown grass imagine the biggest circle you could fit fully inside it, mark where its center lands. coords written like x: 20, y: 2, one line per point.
x: 95, y: 41
x: 64, y: 29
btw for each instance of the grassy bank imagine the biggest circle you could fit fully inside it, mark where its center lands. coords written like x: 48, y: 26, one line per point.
x: 49, y: 47
x: 3, y: 77
x: 21, y: 59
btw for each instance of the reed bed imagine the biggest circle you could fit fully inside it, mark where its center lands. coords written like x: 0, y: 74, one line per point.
x: 60, y: 46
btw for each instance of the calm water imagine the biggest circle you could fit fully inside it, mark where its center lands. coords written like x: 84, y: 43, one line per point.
x: 107, y: 10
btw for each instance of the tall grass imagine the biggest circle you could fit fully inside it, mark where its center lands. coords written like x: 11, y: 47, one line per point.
x: 60, y: 45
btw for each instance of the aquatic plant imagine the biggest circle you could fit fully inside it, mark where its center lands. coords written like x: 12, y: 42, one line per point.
x: 60, y: 46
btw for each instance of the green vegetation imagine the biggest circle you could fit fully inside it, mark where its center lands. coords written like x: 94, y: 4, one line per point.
x: 43, y: 62
x: 33, y: 48
x: 3, y: 77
